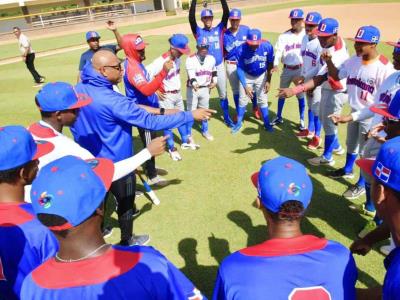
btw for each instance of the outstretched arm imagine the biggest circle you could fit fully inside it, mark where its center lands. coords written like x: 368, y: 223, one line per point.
x: 192, y: 17
x: 225, y: 13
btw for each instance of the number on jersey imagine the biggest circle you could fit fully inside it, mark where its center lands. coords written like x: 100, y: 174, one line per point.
x: 314, y: 293
x: 364, y: 96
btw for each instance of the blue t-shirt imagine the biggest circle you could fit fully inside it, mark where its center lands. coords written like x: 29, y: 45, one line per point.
x: 24, y: 244
x: 88, y: 54
x: 391, y: 284
x: 305, y: 267
x: 215, y: 36
x: 135, y: 272
x: 255, y: 62
x: 233, y: 41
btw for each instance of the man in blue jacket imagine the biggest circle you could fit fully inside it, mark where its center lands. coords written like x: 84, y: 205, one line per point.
x: 105, y: 129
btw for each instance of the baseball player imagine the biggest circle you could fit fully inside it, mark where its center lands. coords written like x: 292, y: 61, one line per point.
x: 385, y: 171
x: 288, y: 51
x: 255, y: 62
x: 289, y: 265
x: 234, y: 37
x: 24, y: 242
x: 215, y: 38
x: 332, y: 96
x: 202, y: 77
x: 170, y: 96
x: 86, y: 267
x: 310, y: 51
x: 93, y: 40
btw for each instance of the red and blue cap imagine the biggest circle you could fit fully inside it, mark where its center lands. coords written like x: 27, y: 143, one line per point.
x: 202, y: 42
x: 296, y: 13
x: 71, y: 188
x: 282, y: 179
x: 396, y: 46
x: 386, y: 166
x: 206, y: 13
x: 389, y: 109
x: 58, y: 96
x: 18, y: 147
x: 254, y: 37
x: 328, y: 27
x: 235, y: 14
x: 367, y: 34
x: 92, y: 35
x: 180, y: 42
x: 313, y: 18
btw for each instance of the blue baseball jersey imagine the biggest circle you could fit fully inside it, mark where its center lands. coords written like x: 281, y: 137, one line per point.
x: 86, y: 56
x: 301, y: 268
x: 215, y: 37
x: 24, y: 244
x: 255, y: 62
x: 134, y: 93
x: 391, y: 284
x: 232, y: 41
x: 120, y: 273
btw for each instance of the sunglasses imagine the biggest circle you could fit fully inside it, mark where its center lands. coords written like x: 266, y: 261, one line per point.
x: 116, y: 67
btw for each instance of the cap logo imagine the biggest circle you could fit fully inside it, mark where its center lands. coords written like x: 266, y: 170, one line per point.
x: 310, y: 18
x: 45, y: 200
x: 323, y: 27
x: 294, y: 189
x: 255, y: 37
x: 360, y: 33
x: 382, y: 172
x: 138, y: 40
x: 295, y: 13
x: 374, y: 39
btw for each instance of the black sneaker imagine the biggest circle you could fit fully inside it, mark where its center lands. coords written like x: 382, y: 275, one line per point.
x: 136, y: 213
x: 136, y: 240
x: 276, y: 121
x: 107, y: 231
x: 340, y: 173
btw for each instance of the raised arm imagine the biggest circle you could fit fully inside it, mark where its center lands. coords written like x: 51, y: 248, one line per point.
x: 225, y: 13
x: 112, y: 27
x: 192, y: 17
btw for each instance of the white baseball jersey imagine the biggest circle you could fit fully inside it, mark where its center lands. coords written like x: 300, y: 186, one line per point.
x: 310, y: 52
x: 172, y: 82
x: 339, y: 56
x: 288, y: 48
x: 202, y: 72
x: 385, y: 92
x: 24, y: 43
x: 363, y: 79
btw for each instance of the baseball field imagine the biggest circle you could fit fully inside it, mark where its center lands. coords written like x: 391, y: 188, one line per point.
x: 206, y: 212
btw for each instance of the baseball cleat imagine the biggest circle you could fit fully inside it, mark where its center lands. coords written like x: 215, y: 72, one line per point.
x: 338, y: 151
x: 256, y: 112
x: 228, y: 122
x: 37, y: 85
x: 354, y: 192
x: 315, y: 143
x: 107, y: 232
x: 386, y: 249
x: 138, y: 193
x: 305, y: 134
x: 236, y: 128
x: 321, y: 161
x: 158, y: 180
x: 189, y: 146
x: 360, y: 208
x: 276, y: 121
x: 174, y: 154
x: 341, y: 173
x: 42, y: 80
x: 208, y: 136
x: 136, y: 240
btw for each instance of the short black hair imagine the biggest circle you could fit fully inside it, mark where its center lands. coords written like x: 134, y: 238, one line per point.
x: 16, y: 27
x: 43, y: 114
x: 11, y: 176
x: 291, y: 210
x: 50, y: 220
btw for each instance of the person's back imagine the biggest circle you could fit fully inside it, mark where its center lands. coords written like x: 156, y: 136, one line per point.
x: 306, y: 266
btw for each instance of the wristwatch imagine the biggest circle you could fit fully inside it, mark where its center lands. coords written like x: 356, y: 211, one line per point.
x: 162, y: 111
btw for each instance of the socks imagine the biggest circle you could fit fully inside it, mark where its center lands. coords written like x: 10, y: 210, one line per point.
x: 369, y: 204
x: 254, y: 101
x: 204, y: 126
x: 189, y: 126
x: 336, y: 144
x: 317, y: 126
x: 225, y: 110
x: 329, y: 146
x: 302, y: 108
x: 281, y: 104
x: 311, y: 124
x: 183, y: 132
x: 170, y: 139
x: 361, y: 181
x: 241, y: 112
x: 236, y: 100
x: 265, y: 114
x: 350, y: 160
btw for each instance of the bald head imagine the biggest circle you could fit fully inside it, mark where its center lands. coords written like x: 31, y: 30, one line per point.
x: 104, y: 58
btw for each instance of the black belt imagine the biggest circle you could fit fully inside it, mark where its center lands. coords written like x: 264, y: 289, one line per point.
x: 295, y: 67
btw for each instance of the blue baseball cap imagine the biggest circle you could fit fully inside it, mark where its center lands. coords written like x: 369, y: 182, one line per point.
x: 57, y: 96
x: 396, y: 45
x: 367, y: 34
x: 328, y: 27
x: 282, y: 179
x: 18, y: 147
x: 386, y: 166
x: 254, y: 37
x: 202, y: 42
x: 71, y: 188
x: 389, y: 109
x: 235, y: 14
x: 180, y: 42
x: 92, y: 35
x: 296, y: 13
x: 313, y: 18
x: 206, y: 13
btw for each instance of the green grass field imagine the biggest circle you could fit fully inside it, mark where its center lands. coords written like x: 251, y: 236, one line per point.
x: 206, y: 212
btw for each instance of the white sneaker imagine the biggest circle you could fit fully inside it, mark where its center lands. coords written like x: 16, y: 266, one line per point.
x: 320, y: 161
x: 174, y: 154
x: 208, y: 136
x: 338, y: 151
x: 191, y: 145
x: 158, y: 180
x: 386, y: 249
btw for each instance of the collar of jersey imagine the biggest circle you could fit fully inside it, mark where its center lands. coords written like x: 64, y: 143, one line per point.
x: 14, y: 214
x: 113, y: 263
x: 283, y: 247
x: 339, y: 44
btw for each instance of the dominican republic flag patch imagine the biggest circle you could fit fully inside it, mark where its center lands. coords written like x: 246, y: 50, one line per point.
x: 382, y: 172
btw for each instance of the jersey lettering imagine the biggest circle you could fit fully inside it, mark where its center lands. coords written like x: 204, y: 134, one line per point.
x: 2, y: 276
x: 314, y: 293
x: 364, y: 96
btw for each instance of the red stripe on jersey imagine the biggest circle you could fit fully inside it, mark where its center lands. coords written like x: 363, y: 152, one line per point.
x: 41, y: 131
x: 166, y: 54
x: 58, y: 275
x: 383, y: 59
x: 281, y: 247
x: 11, y: 214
